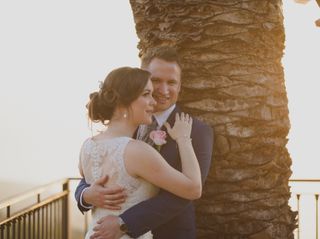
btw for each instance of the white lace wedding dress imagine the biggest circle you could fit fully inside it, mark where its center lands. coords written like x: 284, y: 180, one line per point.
x: 105, y: 157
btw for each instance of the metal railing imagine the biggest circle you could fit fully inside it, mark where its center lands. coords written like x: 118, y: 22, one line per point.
x: 47, y: 215
x: 299, y: 195
x: 44, y: 213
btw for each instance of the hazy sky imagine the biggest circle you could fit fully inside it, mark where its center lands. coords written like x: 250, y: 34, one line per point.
x: 54, y: 53
x: 301, y: 64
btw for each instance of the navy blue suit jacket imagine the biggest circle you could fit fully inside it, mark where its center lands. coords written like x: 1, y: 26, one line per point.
x: 167, y: 215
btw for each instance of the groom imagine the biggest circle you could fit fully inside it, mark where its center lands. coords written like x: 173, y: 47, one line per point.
x: 167, y: 215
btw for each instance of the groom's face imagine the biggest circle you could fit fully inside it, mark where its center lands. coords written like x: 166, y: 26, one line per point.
x: 166, y: 80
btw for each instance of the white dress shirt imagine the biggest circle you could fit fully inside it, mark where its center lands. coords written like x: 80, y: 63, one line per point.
x: 162, y: 116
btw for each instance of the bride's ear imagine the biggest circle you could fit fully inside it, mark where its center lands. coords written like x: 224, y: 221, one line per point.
x: 121, y: 112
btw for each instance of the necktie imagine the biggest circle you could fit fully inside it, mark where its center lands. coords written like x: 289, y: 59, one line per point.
x: 148, y: 128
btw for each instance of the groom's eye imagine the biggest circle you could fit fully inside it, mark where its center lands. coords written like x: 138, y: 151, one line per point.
x: 154, y: 80
x: 172, y: 82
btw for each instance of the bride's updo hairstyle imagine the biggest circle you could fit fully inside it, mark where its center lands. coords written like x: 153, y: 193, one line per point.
x: 121, y: 87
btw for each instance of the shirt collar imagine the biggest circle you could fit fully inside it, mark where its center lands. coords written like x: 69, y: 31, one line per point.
x: 161, y: 117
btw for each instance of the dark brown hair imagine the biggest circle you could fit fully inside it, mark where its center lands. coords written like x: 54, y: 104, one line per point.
x: 120, y: 88
x: 165, y: 53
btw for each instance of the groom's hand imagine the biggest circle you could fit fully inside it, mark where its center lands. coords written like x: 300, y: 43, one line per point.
x: 108, y: 228
x: 99, y: 195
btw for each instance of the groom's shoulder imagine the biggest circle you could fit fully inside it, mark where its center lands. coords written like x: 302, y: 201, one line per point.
x: 201, y: 128
x: 201, y: 131
x: 197, y: 123
x: 200, y: 124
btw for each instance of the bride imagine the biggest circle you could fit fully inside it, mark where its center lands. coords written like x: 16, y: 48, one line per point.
x: 123, y: 103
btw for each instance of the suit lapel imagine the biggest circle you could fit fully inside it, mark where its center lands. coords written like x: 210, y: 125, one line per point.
x: 135, y: 134
x: 171, y: 118
x: 169, y: 151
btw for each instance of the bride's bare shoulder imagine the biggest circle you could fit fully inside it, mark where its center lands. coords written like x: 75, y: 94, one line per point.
x: 135, y: 143
x: 138, y: 146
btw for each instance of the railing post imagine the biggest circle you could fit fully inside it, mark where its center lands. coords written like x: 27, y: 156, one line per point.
x: 317, y: 198
x: 8, y: 228
x: 8, y: 211
x: 38, y: 223
x: 298, y: 207
x: 29, y: 224
x: 65, y: 212
x: 2, y: 231
x: 86, y: 223
x: 14, y: 228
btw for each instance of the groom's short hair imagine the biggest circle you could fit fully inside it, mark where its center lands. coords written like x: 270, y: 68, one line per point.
x: 165, y: 53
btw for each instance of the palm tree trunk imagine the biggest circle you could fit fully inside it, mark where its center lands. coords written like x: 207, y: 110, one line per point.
x: 232, y: 79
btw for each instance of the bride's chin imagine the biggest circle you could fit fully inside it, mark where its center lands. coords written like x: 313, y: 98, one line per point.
x: 148, y: 121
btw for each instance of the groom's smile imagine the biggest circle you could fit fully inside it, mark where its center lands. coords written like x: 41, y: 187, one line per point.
x: 161, y: 99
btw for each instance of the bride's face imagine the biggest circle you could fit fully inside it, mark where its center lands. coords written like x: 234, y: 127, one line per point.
x: 142, y: 108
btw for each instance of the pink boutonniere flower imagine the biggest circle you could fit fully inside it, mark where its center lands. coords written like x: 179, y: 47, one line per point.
x: 158, y: 137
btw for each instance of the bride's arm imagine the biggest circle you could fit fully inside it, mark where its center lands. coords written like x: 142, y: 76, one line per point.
x: 80, y: 169
x: 142, y: 160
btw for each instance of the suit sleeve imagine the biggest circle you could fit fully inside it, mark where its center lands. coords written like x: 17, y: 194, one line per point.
x: 202, y: 141
x: 158, y: 210
x: 83, y: 207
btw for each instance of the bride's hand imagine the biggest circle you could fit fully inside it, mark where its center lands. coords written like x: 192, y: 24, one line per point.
x: 182, y: 127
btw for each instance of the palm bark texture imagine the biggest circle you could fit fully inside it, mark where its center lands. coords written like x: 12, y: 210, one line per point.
x: 231, y: 53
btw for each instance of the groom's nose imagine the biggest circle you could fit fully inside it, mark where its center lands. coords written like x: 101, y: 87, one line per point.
x: 163, y: 88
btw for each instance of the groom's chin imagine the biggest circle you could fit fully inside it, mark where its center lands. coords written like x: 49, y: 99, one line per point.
x: 161, y: 107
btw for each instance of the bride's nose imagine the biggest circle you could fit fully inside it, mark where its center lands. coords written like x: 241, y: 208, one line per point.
x: 153, y: 102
